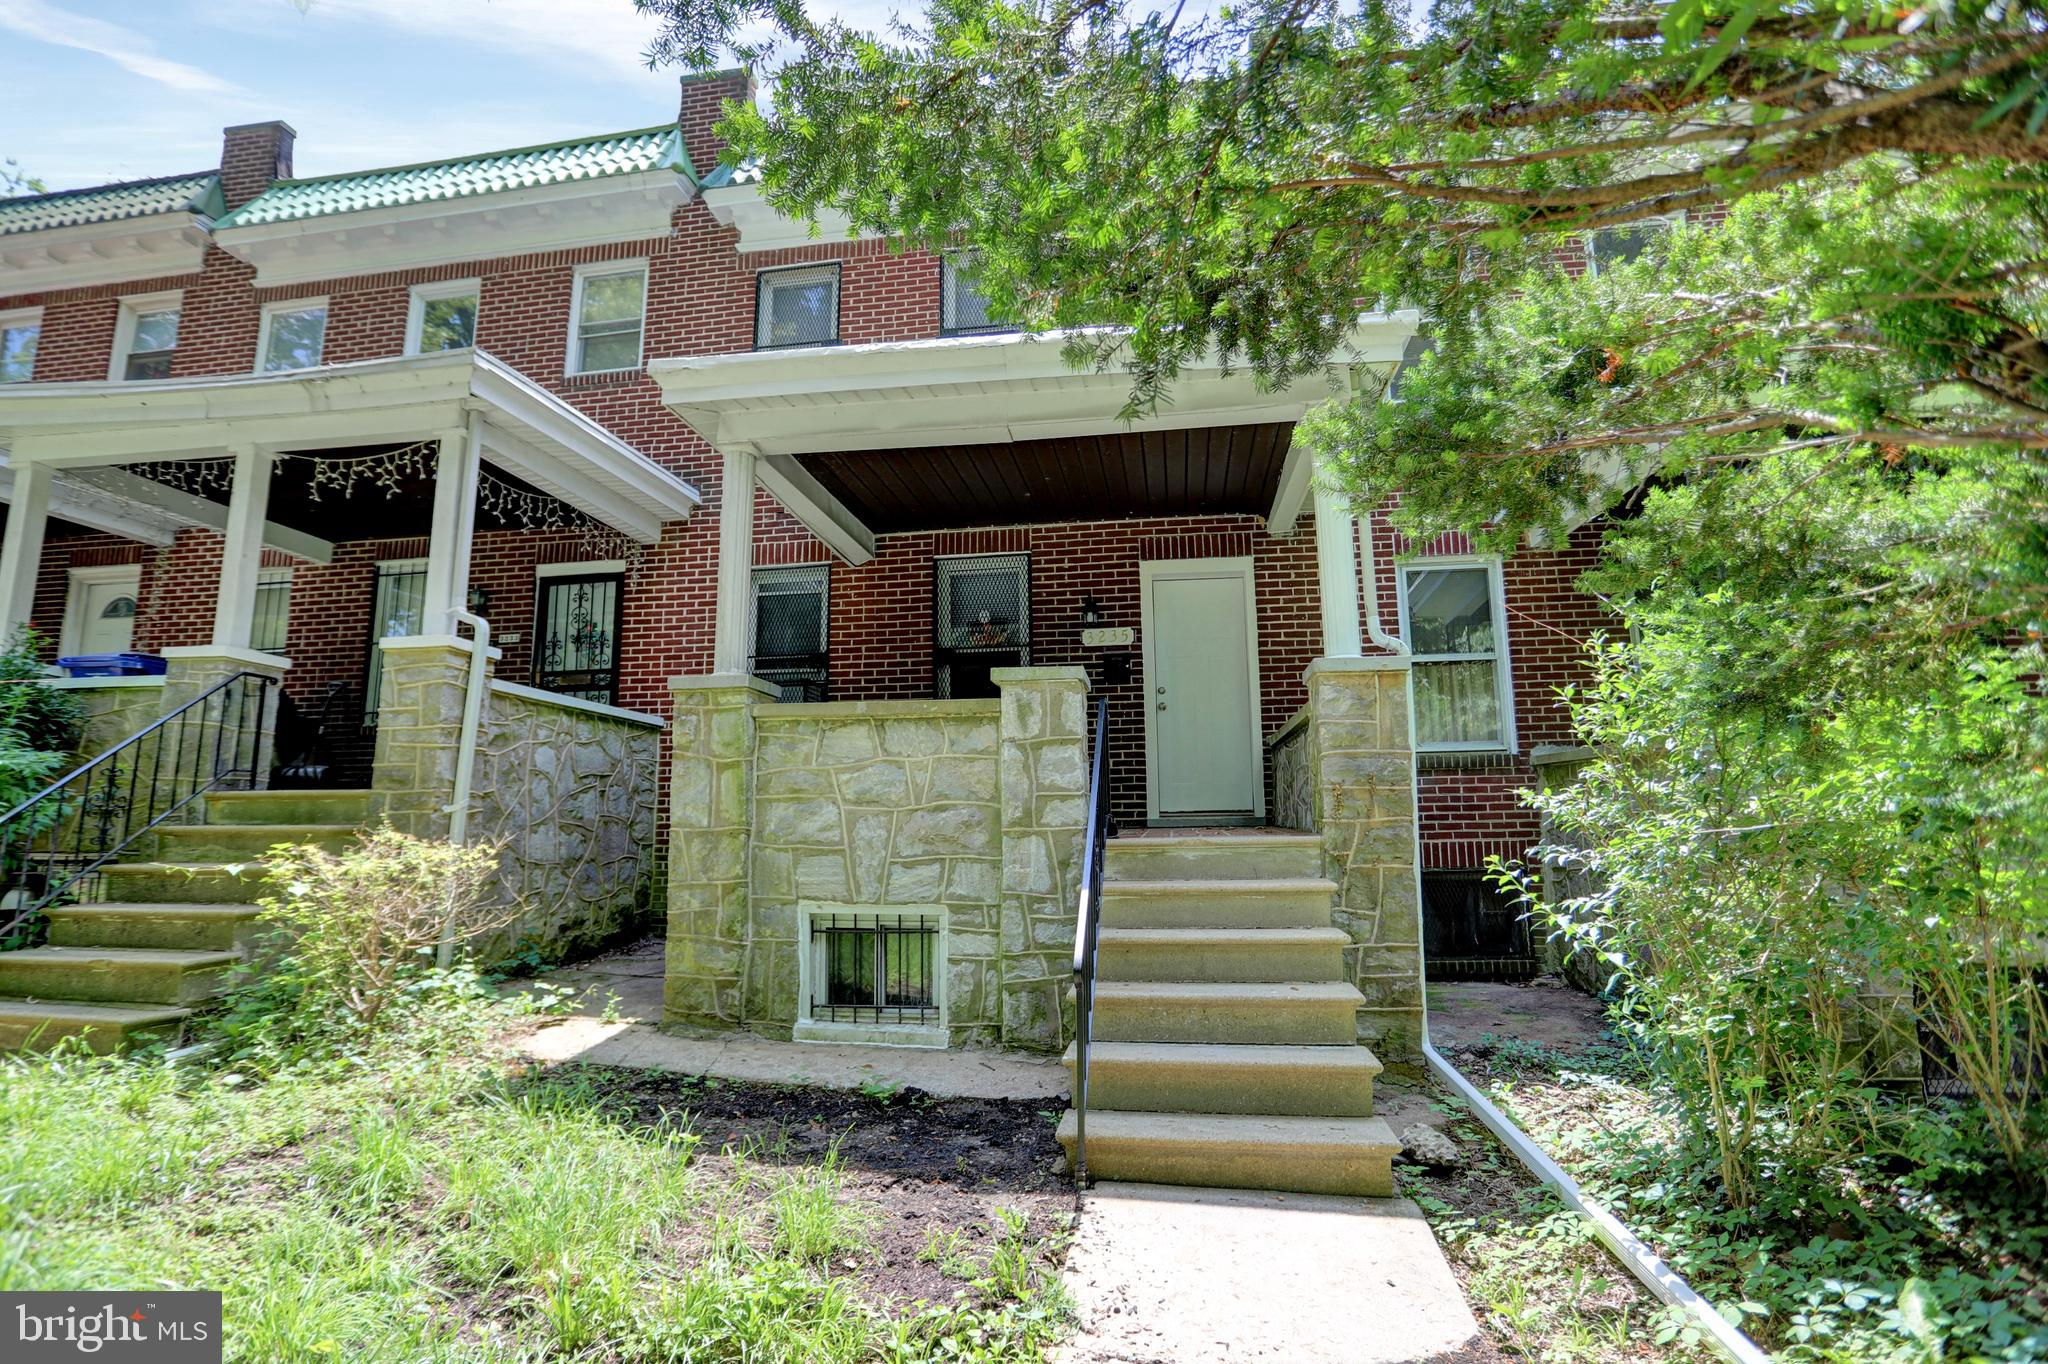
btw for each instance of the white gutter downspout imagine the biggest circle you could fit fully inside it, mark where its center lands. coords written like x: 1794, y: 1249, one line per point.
x: 1638, y: 1258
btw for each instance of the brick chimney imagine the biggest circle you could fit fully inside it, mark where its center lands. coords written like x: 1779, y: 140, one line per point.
x: 704, y: 97
x: 251, y: 156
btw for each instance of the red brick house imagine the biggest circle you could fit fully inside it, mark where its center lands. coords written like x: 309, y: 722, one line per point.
x: 318, y: 428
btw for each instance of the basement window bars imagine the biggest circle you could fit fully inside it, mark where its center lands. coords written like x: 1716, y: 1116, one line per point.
x: 874, y: 968
x: 790, y: 631
x: 577, y: 638
x: 981, y: 621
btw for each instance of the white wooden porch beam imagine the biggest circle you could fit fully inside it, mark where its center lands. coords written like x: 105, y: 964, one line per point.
x: 824, y: 515
x: 732, y: 648
x: 1291, y: 493
x: 241, y: 559
x: 454, y: 526
x: 21, y: 553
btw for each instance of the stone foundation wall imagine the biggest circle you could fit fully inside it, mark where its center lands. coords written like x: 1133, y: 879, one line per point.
x: 973, y: 808
x: 871, y: 804
x: 1363, y: 773
x: 571, y: 793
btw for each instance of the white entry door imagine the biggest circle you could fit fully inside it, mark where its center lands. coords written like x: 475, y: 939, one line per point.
x: 1201, y: 692
x: 99, y: 617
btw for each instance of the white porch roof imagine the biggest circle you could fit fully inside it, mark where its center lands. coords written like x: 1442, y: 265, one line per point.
x: 81, y: 428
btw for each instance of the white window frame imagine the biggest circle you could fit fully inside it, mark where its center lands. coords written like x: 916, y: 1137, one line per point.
x: 1504, y: 673
x: 761, y: 287
x: 808, y: 1029
x: 1667, y: 221
x: 24, y: 317
x: 572, y: 357
x: 272, y: 577
x: 291, y: 305
x: 68, y: 635
x: 423, y: 294
x: 132, y: 309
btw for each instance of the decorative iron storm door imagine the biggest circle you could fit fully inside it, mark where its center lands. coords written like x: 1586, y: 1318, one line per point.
x: 576, y: 639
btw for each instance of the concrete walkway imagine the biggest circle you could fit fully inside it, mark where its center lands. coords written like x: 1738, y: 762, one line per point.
x: 1205, y: 1276
x: 742, y: 1056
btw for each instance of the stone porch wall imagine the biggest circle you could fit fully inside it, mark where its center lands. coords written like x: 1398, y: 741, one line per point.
x: 970, y: 807
x: 1291, y: 756
x: 571, y: 794
x: 114, y: 708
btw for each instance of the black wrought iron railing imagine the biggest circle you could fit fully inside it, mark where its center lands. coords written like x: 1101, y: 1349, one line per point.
x: 53, y: 844
x: 1087, y: 928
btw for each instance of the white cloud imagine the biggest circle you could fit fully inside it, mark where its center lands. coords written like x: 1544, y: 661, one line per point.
x: 122, y: 46
x: 605, y: 35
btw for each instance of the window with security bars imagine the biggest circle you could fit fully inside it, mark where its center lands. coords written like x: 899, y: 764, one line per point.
x: 790, y: 615
x: 1473, y: 928
x: 796, y: 307
x: 397, y: 608
x: 981, y: 621
x: 576, y: 641
x: 963, y: 308
x: 874, y: 968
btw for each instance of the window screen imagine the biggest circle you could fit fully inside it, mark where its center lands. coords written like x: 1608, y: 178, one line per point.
x: 797, y: 307
x: 963, y: 308
x: 790, y: 616
x: 981, y: 621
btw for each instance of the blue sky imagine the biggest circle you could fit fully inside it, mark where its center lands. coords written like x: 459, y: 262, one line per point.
x: 100, y: 90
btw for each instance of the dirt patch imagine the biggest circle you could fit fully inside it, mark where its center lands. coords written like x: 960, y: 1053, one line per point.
x: 1544, y: 1012
x: 928, y: 1171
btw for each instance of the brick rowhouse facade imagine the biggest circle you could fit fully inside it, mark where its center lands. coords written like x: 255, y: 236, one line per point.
x: 701, y: 299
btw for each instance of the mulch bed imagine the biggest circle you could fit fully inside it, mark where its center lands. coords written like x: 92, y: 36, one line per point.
x: 921, y: 1163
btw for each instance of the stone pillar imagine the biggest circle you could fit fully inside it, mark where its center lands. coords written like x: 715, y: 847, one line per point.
x: 419, y: 728
x: 1364, y: 775
x: 1044, y: 779
x: 710, y: 804
x: 228, y: 731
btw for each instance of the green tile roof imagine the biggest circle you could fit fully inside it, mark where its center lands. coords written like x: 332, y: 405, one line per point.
x: 747, y: 172
x: 198, y: 193
x: 584, y: 158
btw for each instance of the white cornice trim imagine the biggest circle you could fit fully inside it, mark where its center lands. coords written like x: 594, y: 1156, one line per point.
x: 158, y: 245
x: 762, y: 228
x: 614, y: 208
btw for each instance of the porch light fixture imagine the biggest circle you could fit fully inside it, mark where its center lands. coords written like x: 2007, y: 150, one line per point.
x: 480, y: 600
x: 1091, y: 611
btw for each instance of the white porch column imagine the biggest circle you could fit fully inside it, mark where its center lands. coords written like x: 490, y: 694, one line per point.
x: 454, y: 526
x: 732, y: 649
x: 22, y: 553
x: 241, y: 558
x: 1337, y: 574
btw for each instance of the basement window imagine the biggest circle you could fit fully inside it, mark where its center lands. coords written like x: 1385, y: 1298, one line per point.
x: 796, y: 307
x: 790, y: 627
x: 981, y: 621
x: 19, y: 332
x: 874, y: 968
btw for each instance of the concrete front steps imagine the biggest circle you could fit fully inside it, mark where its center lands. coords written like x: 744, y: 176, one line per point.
x: 1225, y: 1041
x: 175, y: 921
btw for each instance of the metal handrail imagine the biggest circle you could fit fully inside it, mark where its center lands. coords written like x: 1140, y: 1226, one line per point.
x: 1087, y: 926
x: 85, y: 819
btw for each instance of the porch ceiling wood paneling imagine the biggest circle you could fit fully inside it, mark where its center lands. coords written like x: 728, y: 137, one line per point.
x: 1202, y: 472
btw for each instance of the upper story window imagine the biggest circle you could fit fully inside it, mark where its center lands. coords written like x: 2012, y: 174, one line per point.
x: 607, y: 316
x: 19, y: 332
x: 441, y: 317
x: 1452, y: 617
x: 797, y: 307
x: 294, y: 335
x: 790, y: 623
x: 146, y: 338
x: 1624, y: 242
x: 981, y: 621
x: 963, y: 308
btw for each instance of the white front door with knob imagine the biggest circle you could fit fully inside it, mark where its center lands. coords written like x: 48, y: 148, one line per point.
x: 1203, y: 761
x: 99, y: 613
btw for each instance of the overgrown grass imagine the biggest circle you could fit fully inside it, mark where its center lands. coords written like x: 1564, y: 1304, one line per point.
x: 418, y: 1202
x: 1939, y: 1254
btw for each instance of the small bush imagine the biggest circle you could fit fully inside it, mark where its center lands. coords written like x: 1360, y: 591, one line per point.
x: 352, y: 938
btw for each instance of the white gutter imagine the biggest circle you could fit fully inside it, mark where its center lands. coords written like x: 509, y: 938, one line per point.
x: 1626, y: 1246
